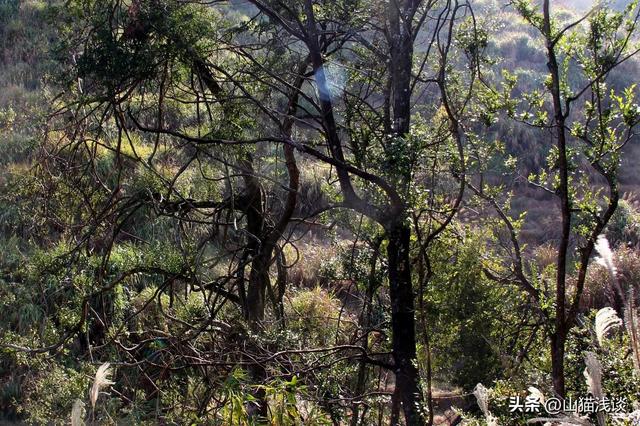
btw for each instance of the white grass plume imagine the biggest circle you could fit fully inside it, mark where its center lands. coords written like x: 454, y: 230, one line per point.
x: 606, y: 320
x: 606, y: 255
x: 535, y: 392
x: 606, y: 260
x: 77, y: 413
x: 593, y: 376
x: 482, y: 397
x: 100, y: 381
x: 632, y: 324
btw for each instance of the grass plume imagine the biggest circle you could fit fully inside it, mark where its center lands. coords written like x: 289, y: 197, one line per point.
x: 632, y: 323
x: 100, y: 381
x: 606, y: 320
x: 537, y: 393
x: 482, y: 397
x: 593, y: 376
x: 605, y: 255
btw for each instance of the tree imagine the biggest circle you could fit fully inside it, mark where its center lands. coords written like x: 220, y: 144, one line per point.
x: 378, y: 121
x: 590, y: 126
x: 170, y: 122
x: 138, y: 67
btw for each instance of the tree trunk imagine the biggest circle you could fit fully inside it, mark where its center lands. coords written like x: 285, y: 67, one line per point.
x: 262, y: 238
x: 407, y: 394
x: 558, y: 340
x: 259, y: 281
x: 559, y: 336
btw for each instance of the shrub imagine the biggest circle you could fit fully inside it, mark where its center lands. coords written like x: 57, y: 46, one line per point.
x: 624, y: 227
x: 600, y: 287
x: 313, y: 314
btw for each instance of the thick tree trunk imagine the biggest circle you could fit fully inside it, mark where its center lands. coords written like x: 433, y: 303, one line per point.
x: 407, y: 394
x: 401, y: 65
x: 558, y: 341
x: 260, y: 280
x: 281, y: 284
x: 255, y: 214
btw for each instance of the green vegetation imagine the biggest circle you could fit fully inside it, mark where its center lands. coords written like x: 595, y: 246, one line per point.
x: 316, y: 212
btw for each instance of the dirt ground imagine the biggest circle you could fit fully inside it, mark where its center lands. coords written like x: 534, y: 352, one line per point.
x: 443, y: 402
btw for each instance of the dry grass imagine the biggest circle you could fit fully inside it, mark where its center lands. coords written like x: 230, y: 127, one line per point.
x: 602, y: 289
x: 314, y: 257
x: 593, y: 376
x: 606, y: 320
x: 545, y: 255
x: 100, y: 381
x: 482, y: 397
x: 632, y: 323
x: 605, y: 255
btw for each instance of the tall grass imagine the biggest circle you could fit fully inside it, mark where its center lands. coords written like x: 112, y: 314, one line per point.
x: 632, y: 323
x: 606, y: 320
x: 593, y: 376
x: 482, y: 397
x: 100, y: 381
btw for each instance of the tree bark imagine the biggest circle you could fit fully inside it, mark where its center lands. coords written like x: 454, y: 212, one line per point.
x: 401, y: 43
x: 558, y: 342
x: 558, y: 338
x: 407, y: 394
x: 258, y: 274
